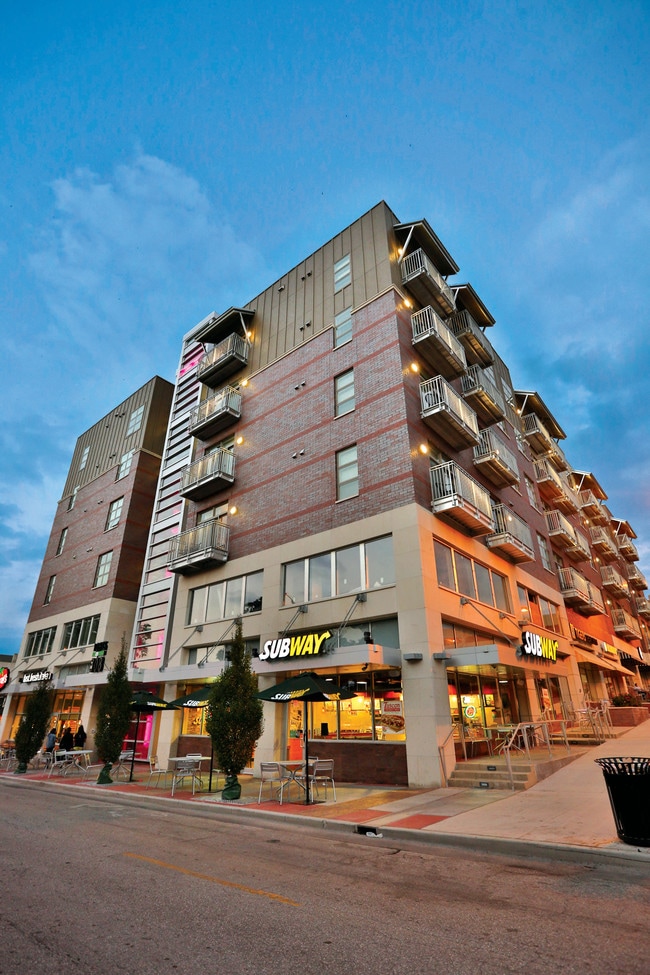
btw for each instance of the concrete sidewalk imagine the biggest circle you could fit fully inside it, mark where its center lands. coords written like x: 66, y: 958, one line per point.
x: 569, y: 811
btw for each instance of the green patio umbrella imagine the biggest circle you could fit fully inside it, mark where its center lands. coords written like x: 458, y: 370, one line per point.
x: 142, y: 701
x: 306, y: 687
x: 198, y: 699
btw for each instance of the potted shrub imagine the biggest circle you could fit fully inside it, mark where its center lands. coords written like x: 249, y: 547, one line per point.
x: 113, y: 716
x: 33, y: 725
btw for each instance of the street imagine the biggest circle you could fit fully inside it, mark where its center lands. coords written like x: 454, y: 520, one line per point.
x: 102, y: 886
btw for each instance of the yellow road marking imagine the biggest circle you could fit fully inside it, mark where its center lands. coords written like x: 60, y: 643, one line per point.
x: 214, y: 880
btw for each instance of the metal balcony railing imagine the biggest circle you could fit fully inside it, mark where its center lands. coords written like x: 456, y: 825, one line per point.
x: 448, y: 413
x: 216, y: 412
x: 224, y: 359
x: 537, y: 435
x: 418, y: 266
x: 496, y: 460
x: 457, y: 494
x: 624, y: 624
x: 564, y: 535
x: 579, y: 593
x: 603, y: 542
x: 592, y: 508
x: 642, y: 606
x: 512, y: 536
x: 627, y: 548
x: 482, y: 393
x: 437, y: 344
x: 200, y: 547
x: 199, y: 478
x: 636, y: 578
x: 476, y: 345
x: 613, y: 581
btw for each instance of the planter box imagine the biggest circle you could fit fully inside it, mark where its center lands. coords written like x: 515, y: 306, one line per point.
x: 628, y: 717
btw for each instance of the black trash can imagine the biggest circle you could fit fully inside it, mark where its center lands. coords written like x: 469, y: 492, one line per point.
x: 628, y: 785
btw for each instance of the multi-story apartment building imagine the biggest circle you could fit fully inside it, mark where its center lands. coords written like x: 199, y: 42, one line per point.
x: 351, y: 471
x: 86, y: 595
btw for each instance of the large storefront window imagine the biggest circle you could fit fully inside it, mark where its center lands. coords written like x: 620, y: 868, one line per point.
x: 66, y: 712
x: 469, y: 578
x: 375, y: 713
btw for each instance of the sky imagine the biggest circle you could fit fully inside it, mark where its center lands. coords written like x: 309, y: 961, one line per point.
x: 162, y: 161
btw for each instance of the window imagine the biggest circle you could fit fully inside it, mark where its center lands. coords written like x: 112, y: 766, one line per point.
x: 344, y: 393
x: 125, y: 464
x: 469, y: 578
x: 135, y: 421
x: 532, y: 494
x: 544, y: 552
x: 342, y: 327
x: 84, y: 458
x: 367, y: 565
x: 40, y: 642
x: 342, y: 273
x: 210, y: 514
x: 80, y: 633
x: 347, y: 473
x: 62, y: 538
x: 226, y: 600
x: 103, y: 569
x: 49, y: 591
x: 114, y: 512
x: 72, y: 498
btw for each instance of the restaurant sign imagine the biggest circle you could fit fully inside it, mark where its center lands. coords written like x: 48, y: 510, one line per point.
x: 305, y: 645
x: 4, y: 677
x: 35, y: 676
x: 534, y: 645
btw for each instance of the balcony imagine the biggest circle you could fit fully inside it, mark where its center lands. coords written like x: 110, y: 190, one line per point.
x: 437, y: 345
x: 537, y: 435
x: 495, y: 460
x: 223, y: 360
x: 636, y: 578
x: 426, y: 282
x: 579, y: 593
x: 625, y: 625
x: 461, y: 498
x: 448, y: 414
x: 642, y: 606
x: 512, y: 537
x: 565, y: 536
x: 613, y: 581
x: 551, y: 487
x: 208, y: 475
x: 477, y: 347
x: 603, y: 543
x: 592, y: 508
x: 482, y: 395
x: 215, y: 414
x: 627, y: 548
x: 200, y: 548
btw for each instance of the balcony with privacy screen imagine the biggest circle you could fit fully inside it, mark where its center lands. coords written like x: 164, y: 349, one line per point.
x: 512, y: 537
x: 208, y: 475
x: 625, y: 625
x: 482, y: 395
x: 579, y: 593
x: 613, y: 581
x: 426, y: 282
x: 495, y: 461
x: 448, y: 414
x: 225, y: 359
x: 567, y: 538
x: 215, y: 414
x: 437, y: 345
x: 457, y: 495
x: 200, y: 548
x: 478, y: 348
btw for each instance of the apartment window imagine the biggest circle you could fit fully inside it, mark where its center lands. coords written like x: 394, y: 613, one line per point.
x: 49, y: 591
x: 125, y: 464
x: 135, y: 421
x: 342, y: 327
x: 344, y: 393
x: 354, y: 568
x: 469, y: 578
x: 347, y: 473
x: 73, y: 498
x: 103, y: 569
x: 544, y: 552
x: 342, y: 273
x: 531, y: 492
x: 84, y: 458
x: 217, y: 511
x: 80, y: 633
x: 114, y: 512
x: 226, y: 600
x: 40, y: 642
x: 62, y: 538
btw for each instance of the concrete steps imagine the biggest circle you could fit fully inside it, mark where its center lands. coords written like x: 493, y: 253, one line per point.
x: 493, y: 773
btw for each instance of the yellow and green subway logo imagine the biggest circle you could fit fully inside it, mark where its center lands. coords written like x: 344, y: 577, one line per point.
x: 305, y: 645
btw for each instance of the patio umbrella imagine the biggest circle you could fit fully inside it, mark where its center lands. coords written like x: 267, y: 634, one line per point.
x: 142, y: 701
x: 306, y: 687
x: 198, y: 699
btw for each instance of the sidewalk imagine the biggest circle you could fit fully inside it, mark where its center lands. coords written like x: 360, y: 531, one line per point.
x: 569, y: 811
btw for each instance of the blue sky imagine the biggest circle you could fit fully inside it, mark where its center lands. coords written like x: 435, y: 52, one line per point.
x: 161, y: 161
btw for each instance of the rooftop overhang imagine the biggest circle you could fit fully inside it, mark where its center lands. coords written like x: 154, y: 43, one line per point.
x: 585, y: 481
x: 623, y: 527
x: 529, y: 401
x: 468, y: 299
x: 420, y: 234
x: 215, y: 327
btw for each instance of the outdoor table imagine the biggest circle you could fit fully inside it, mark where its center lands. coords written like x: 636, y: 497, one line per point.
x: 61, y: 760
x: 77, y: 759
x: 193, y: 763
x: 293, y: 769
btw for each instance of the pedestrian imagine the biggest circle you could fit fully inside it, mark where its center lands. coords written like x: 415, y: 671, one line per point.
x: 80, y: 737
x: 67, y: 740
x: 50, y: 741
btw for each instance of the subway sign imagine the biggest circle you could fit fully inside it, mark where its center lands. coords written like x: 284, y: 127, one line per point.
x: 534, y: 645
x: 306, y: 645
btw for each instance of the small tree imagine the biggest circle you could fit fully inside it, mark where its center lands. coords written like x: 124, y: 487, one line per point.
x: 34, y: 724
x: 113, y: 716
x: 234, y: 720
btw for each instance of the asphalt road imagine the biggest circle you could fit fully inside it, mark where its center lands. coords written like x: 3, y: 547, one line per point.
x: 100, y: 887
